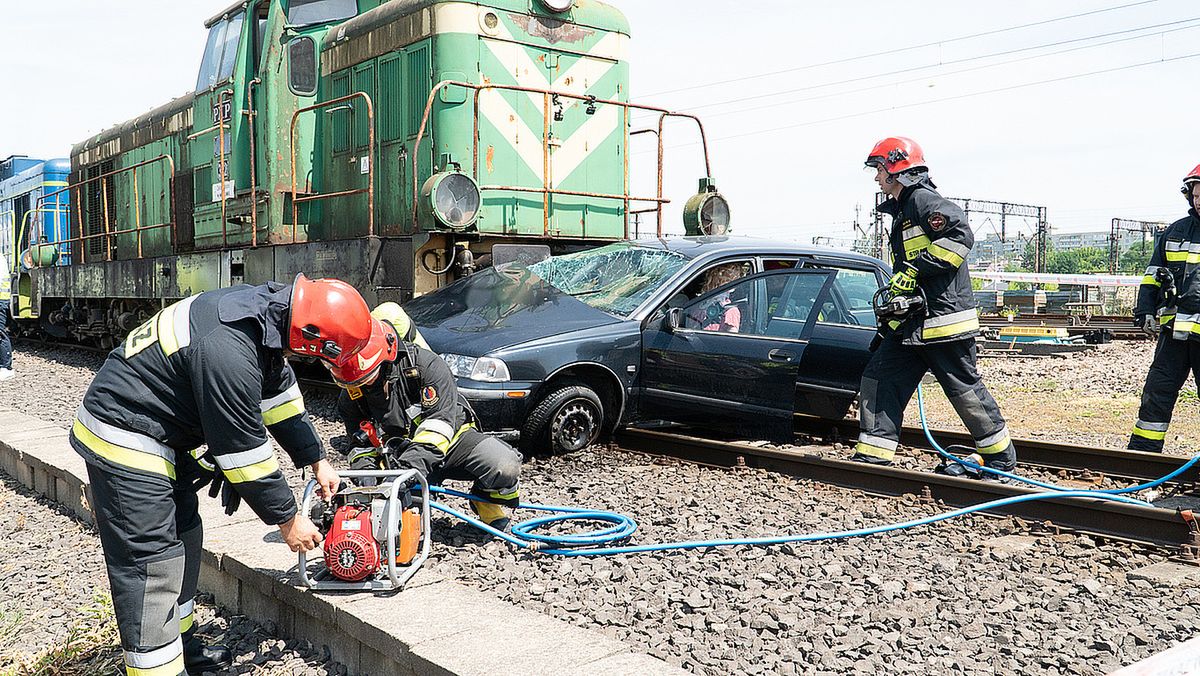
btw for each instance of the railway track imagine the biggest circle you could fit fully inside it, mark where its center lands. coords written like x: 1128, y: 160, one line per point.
x: 1030, y: 452
x: 1172, y: 528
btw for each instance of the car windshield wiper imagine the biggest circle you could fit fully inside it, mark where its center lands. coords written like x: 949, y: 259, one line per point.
x: 577, y: 294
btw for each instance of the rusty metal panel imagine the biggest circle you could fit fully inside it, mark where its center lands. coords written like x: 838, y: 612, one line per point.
x: 259, y: 265
x: 193, y: 273
x: 86, y: 281
x: 131, y: 279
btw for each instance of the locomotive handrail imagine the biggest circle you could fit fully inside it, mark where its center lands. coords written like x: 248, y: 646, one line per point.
x: 26, y: 220
x: 220, y: 127
x: 370, y: 189
x: 546, y: 191
x: 109, y: 233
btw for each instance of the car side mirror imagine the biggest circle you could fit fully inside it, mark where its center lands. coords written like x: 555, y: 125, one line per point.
x: 672, y: 320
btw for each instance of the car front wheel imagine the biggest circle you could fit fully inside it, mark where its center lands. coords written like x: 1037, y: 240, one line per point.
x: 569, y: 419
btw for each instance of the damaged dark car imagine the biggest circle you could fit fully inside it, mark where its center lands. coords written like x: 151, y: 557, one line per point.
x: 727, y: 333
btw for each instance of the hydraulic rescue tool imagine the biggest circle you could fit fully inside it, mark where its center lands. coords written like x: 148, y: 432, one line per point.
x: 376, y: 537
x: 1166, y: 297
x: 891, y: 307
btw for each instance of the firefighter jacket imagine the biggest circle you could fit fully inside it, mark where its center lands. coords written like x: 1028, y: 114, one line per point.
x: 5, y: 279
x: 415, y: 398
x: 1177, y: 251
x: 206, y: 370
x: 932, y: 234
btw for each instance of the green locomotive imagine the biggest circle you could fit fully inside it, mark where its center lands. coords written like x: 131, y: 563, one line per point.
x: 391, y: 143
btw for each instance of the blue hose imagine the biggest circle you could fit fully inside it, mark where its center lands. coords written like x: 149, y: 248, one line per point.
x: 1041, y: 484
x: 601, y: 542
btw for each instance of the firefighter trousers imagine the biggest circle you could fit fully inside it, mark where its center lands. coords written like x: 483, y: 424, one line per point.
x: 891, y: 378
x: 1173, y: 361
x: 151, y: 533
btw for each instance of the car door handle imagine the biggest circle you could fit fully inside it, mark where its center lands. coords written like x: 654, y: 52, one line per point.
x: 781, y: 355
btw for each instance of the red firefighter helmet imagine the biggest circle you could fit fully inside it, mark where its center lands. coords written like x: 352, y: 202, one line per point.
x: 896, y: 154
x: 382, y: 347
x: 1192, y: 178
x: 329, y: 320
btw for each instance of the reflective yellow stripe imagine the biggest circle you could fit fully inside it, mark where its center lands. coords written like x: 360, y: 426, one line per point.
x: 1176, y: 256
x: 996, y: 447
x: 1150, y: 280
x: 940, y: 252
x: 252, y: 472
x: 166, y: 331
x: 127, y: 457
x: 5, y: 295
x: 950, y: 329
x: 913, y: 247
x: 435, y: 439
x: 172, y: 668
x: 284, y: 411
x: 1166, y: 318
x: 1149, y: 434
x: 504, y: 496
x: 186, y: 622
x: 894, y: 324
x: 874, y: 451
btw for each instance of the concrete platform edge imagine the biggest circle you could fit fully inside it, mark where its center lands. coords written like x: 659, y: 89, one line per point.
x: 469, y: 632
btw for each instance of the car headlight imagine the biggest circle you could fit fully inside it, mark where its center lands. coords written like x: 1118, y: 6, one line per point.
x: 483, y: 369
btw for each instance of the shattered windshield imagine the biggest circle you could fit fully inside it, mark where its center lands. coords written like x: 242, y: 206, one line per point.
x: 616, y: 278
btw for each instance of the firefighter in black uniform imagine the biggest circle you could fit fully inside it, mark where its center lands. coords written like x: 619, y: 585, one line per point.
x: 209, y: 369
x: 930, y: 240
x: 408, y: 393
x: 1168, y: 303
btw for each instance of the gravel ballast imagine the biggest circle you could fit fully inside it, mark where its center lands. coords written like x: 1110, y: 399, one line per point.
x: 979, y: 595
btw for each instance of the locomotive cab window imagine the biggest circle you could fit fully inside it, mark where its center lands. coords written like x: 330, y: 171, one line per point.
x: 220, y: 53
x: 310, y: 12
x: 302, y: 66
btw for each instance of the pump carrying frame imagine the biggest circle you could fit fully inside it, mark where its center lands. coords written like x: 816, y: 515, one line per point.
x: 393, y: 577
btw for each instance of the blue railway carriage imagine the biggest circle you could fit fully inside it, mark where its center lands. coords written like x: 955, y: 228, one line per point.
x: 34, y: 207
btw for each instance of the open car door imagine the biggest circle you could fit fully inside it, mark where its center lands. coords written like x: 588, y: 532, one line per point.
x: 729, y: 360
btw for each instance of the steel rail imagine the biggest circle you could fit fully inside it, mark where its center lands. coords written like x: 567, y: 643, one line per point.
x: 1030, y: 452
x: 1155, y: 526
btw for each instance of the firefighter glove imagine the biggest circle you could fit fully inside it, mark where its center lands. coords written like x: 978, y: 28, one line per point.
x: 904, y: 281
x: 1148, y: 323
x: 230, y: 499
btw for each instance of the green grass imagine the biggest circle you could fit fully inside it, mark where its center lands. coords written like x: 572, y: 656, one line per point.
x: 91, y: 647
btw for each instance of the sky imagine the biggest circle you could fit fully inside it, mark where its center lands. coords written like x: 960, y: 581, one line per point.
x: 1090, y: 116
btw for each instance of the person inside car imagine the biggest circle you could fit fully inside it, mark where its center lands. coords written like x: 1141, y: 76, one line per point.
x: 722, y: 313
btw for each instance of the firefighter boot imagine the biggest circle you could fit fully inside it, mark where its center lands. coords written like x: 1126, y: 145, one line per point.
x: 491, y: 514
x: 199, y: 658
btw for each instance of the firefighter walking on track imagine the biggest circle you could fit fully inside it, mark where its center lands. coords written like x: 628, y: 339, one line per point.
x: 930, y: 240
x: 1168, y: 304
x: 408, y: 394
x: 209, y: 369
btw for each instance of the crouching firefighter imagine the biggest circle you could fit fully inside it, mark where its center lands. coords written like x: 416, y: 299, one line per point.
x: 405, y: 394
x: 209, y: 369
x: 1168, y: 304
x: 930, y: 240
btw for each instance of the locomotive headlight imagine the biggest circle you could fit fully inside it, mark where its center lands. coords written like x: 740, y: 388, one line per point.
x: 706, y: 212
x: 452, y: 198
x: 558, y: 5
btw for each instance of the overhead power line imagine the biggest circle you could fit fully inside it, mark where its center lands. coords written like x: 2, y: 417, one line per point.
x: 960, y: 71
x: 899, y: 50
x: 945, y: 99
x: 1007, y: 52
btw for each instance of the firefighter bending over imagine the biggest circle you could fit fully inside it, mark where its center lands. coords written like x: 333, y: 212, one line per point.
x: 407, y: 393
x: 1168, y: 304
x: 930, y: 240
x: 209, y: 369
